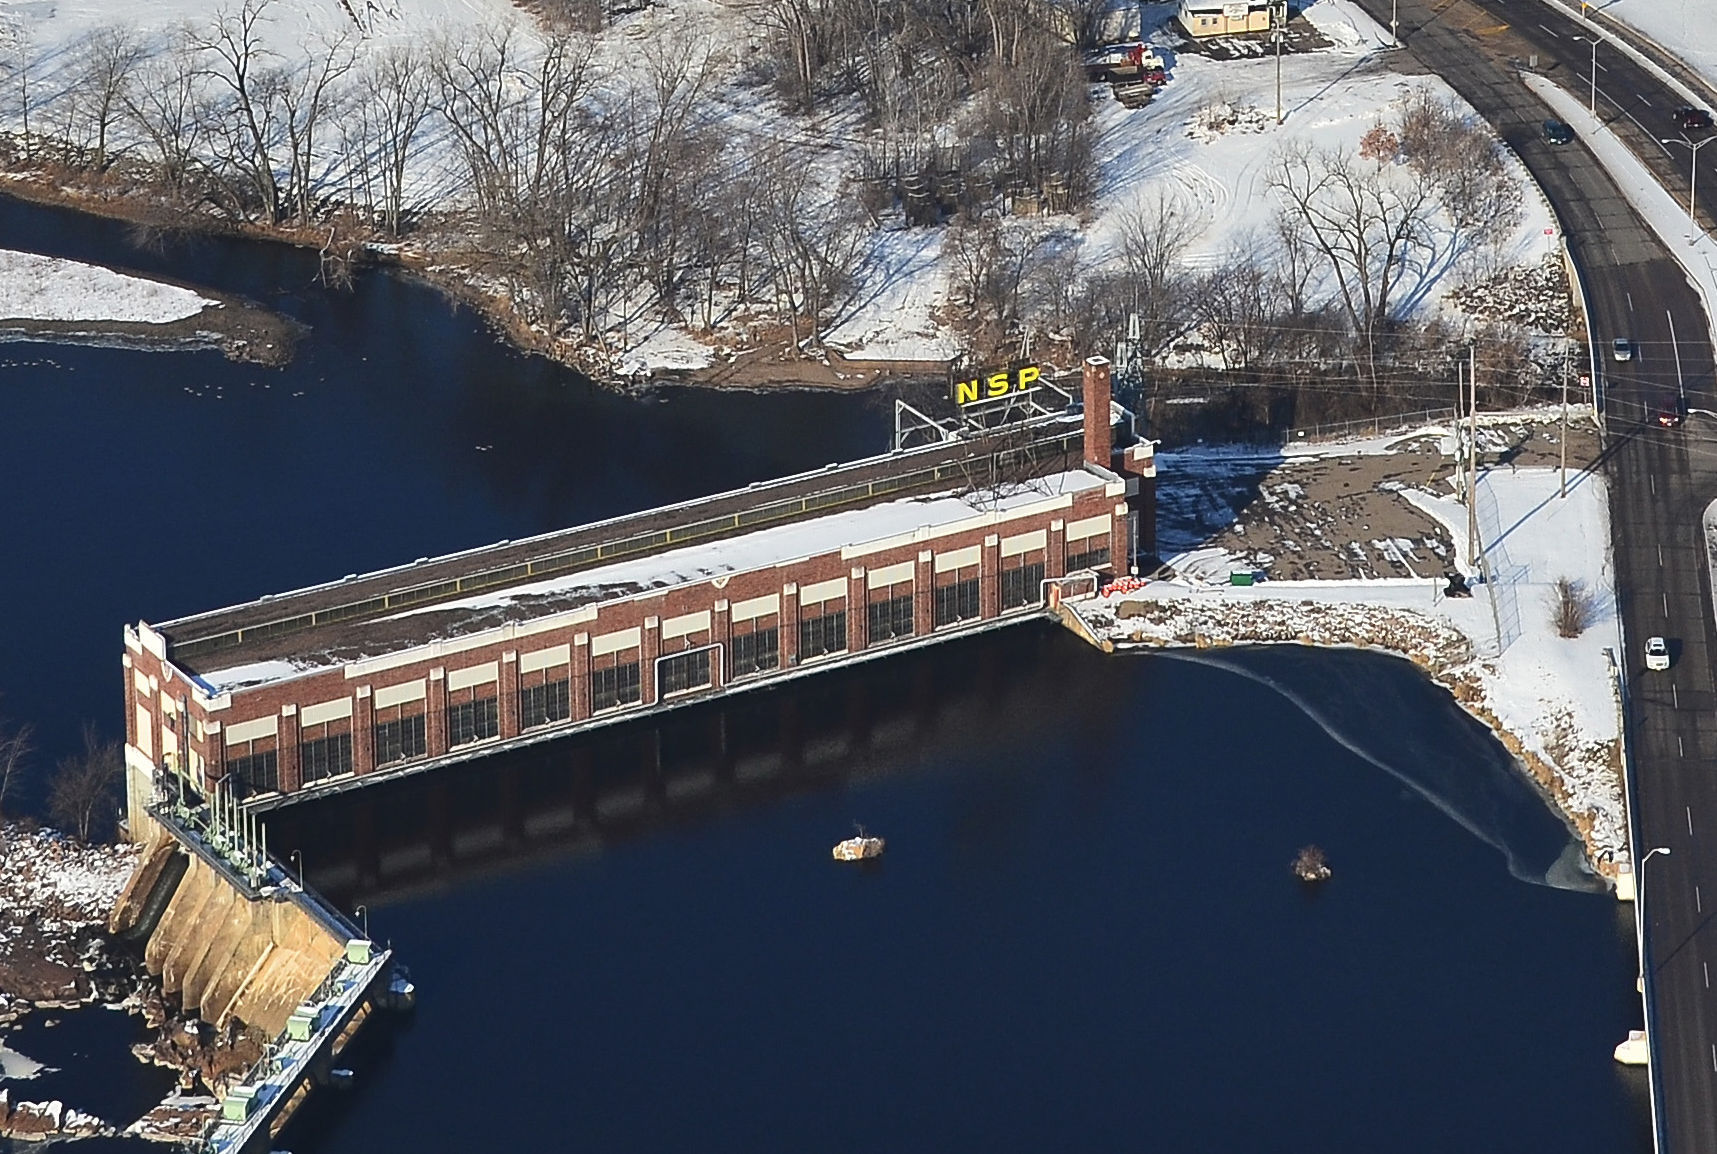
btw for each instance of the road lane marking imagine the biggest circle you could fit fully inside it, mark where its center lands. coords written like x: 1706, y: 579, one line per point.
x: 1665, y: 604
x: 1706, y: 966
x: 1689, y: 810
x: 1630, y: 297
x: 1681, y: 750
x: 1698, y: 900
x: 1660, y: 556
x: 1653, y: 480
x: 1714, y: 1055
x: 1675, y: 696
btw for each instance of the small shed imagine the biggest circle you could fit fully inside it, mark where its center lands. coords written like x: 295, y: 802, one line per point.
x: 1224, y: 17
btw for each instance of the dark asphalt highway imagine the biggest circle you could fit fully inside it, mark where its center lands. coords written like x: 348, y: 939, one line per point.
x: 1661, y: 482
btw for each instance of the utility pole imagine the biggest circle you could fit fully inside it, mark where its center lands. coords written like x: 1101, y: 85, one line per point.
x: 1565, y: 371
x: 1279, y: 28
x: 1472, y: 453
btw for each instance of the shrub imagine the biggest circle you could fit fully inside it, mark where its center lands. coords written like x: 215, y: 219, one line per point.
x: 1573, y: 608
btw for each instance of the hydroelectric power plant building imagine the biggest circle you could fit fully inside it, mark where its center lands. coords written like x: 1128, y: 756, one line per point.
x: 445, y: 659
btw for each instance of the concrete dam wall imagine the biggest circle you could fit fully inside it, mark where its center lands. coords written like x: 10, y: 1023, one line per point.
x: 224, y: 953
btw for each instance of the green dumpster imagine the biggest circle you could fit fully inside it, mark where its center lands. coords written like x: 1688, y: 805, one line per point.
x: 1240, y: 578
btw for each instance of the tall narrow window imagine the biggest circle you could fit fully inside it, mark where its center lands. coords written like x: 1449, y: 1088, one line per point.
x: 756, y: 646
x: 1022, y: 580
x: 473, y: 714
x: 614, y: 680
x: 1088, y: 553
x: 255, y: 765
x: 545, y: 696
x: 400, y: 734
x: 325, y: 750
x: 684, y: 672
x: 889, y: 614
x: 957, y: 596
x: 822, y: 629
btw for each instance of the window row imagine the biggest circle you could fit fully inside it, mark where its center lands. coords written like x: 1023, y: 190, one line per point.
x: 545, y: 696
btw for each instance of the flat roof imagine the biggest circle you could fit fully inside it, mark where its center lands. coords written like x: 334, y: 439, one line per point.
x: 345, y: 642
x: 457, y: 594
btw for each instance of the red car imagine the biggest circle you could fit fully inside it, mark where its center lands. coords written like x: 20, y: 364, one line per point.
x: 1688, y: 118
x: 1671, y: 417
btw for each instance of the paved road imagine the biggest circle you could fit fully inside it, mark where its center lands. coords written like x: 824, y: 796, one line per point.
x: 1662, y: 479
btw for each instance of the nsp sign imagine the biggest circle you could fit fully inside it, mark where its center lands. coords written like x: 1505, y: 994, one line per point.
x: 997, y: 384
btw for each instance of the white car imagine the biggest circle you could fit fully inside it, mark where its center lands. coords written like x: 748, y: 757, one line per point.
x: 1622, y: 349
x: 1656, y: 653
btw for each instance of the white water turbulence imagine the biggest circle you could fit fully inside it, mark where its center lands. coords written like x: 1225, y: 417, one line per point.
x: 1442, y: 755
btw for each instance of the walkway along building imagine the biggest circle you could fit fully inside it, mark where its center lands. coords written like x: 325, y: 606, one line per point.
x: 402, y: 670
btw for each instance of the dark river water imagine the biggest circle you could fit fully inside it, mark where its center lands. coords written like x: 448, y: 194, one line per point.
x: 1084, y: 934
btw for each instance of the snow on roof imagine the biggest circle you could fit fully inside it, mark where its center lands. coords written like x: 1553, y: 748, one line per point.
x: 773, y: 546
x: 853, y: 532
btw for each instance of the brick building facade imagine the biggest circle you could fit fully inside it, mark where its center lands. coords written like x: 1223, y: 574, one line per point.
x: 330, y: 705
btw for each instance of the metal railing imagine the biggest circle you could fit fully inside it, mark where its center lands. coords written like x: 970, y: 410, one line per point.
x: 1366, y: 426
x: 588, y: 556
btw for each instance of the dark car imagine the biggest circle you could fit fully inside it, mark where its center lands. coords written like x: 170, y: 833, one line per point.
x: 1672, y: 414
x: 1555, y: 132
x: 1687, y: 119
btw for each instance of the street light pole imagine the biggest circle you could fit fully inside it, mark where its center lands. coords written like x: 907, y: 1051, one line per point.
x: 1394, y: 34
x: 1593, y: 41
x: 1639, y: 899
x: 299, y: 858
x: 1564, y: 437
x: 364, y: 912
x: 1693, y: 180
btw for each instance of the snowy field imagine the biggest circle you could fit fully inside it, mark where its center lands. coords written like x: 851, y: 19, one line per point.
x: 41, y: 288
x: 1551, y: 698
x: 1330, y: 99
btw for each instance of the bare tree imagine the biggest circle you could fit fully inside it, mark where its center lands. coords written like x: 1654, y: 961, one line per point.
x: 991, y: 264
x: 18, y: 70
x: 247, y: 128
x: 1366, y: 221
x: 396, y: 102
x: 16, y: 745
x: 107, y: 63
x: 1154, y: 235
x: 83, y: 796
x: 305, y: 99
x: 166, y: 106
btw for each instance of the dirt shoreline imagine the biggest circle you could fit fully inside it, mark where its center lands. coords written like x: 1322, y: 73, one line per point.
x: 773, y: 364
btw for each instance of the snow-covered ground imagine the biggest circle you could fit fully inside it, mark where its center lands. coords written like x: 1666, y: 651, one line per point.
x: 1331, y: 98
x: 42, y: 288
x: 1684, y: 27
x: 1662, y: 212
x: 1552, y: 699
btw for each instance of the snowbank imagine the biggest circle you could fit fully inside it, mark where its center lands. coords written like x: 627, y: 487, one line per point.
x: 1662, y: 213
x: 45, y: 288
x: 1684, y: 27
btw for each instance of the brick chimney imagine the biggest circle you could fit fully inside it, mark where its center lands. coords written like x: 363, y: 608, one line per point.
x: 1099, y: 437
